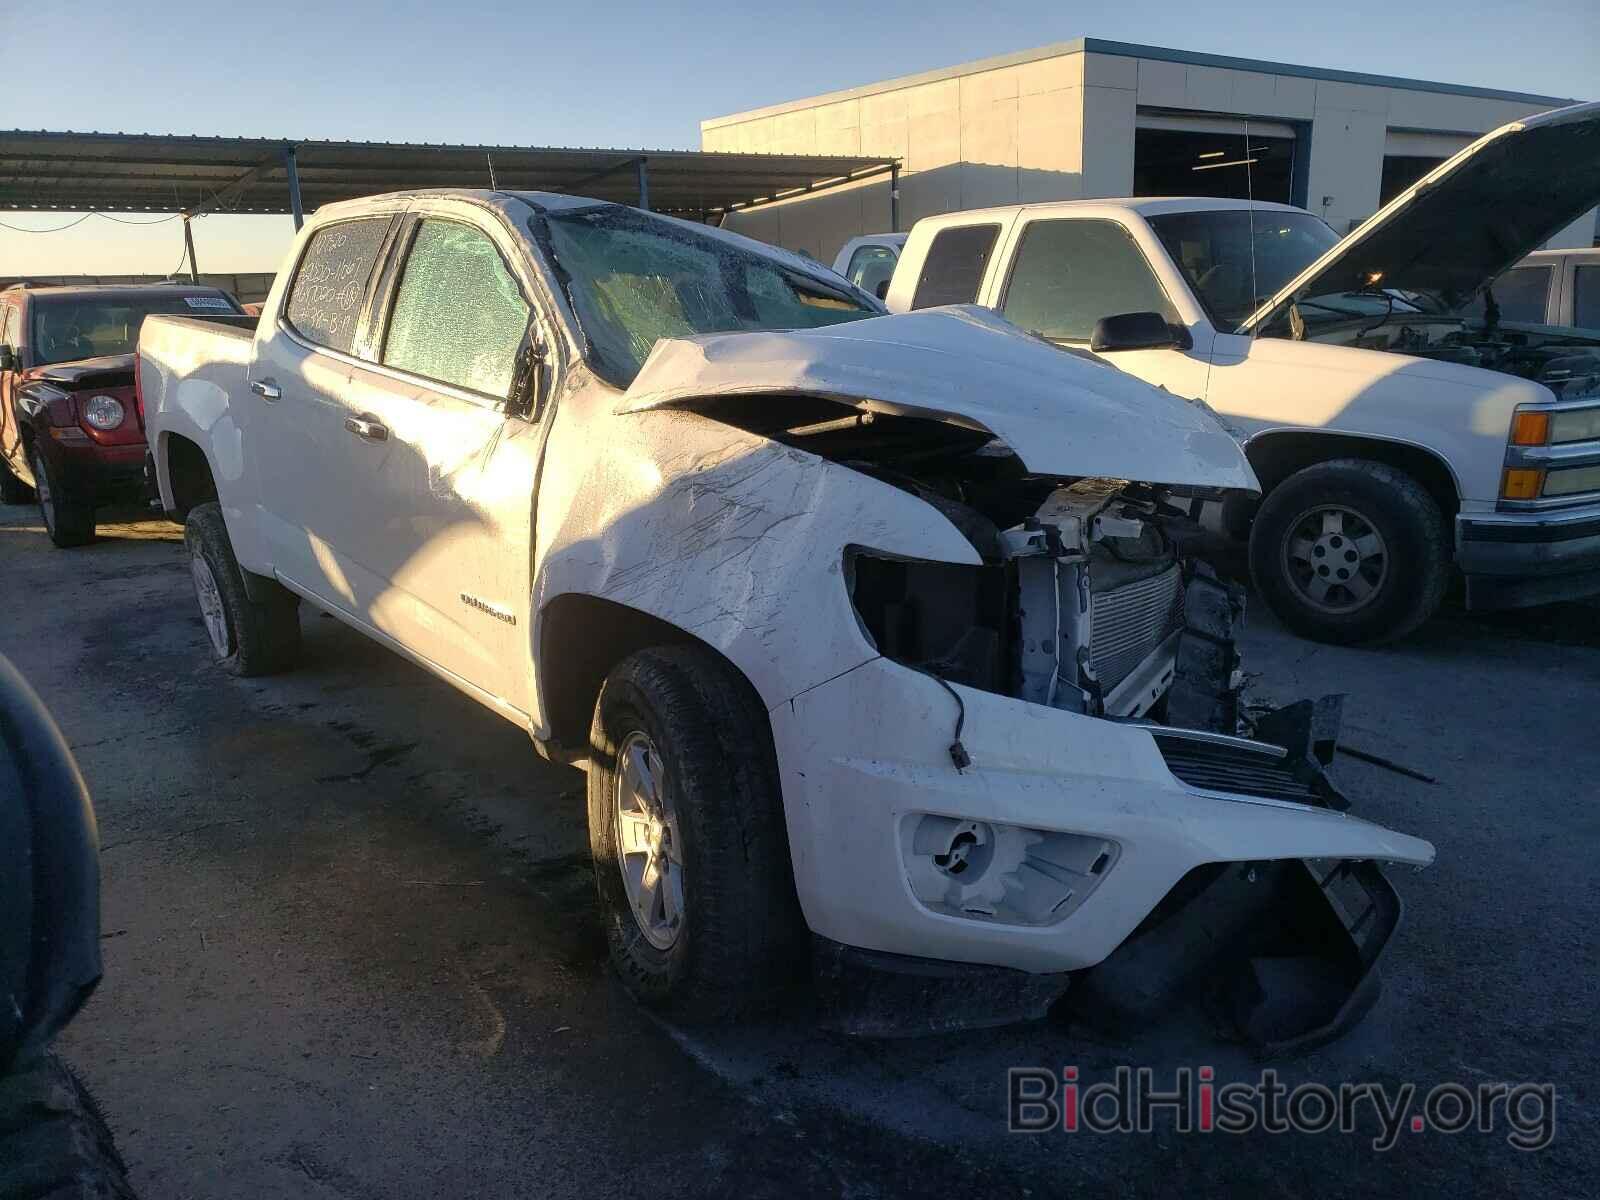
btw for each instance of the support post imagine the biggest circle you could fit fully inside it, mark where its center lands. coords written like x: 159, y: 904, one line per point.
x: 642, y: 169
x: 188, y: 249
x: 293, y: 173
x: 894, y: 198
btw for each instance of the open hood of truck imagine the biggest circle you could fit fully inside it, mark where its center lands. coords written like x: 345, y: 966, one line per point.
x: 1469, y: 219
x: 1061, y: 412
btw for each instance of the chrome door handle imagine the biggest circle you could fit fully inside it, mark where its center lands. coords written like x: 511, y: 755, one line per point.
x: 367, y: 428
x: 266, y: 389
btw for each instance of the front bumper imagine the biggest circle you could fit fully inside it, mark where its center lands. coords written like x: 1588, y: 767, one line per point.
x: 104, y: 474
x: 1535, y: 556
x: 864, y: 758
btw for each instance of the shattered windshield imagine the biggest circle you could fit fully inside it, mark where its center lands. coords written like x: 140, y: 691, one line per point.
x: 633, y: 279
x: 1213, y: 250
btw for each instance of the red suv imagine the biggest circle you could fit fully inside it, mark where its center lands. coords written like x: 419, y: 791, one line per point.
x: 70, y: 427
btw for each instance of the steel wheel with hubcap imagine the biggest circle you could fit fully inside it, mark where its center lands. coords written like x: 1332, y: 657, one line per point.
x: 649, y: 842
x: 1349, y: 551
x: 1336, y: 558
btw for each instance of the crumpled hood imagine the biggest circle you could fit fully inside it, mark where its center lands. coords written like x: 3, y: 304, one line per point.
x: 1062, y: 413
x: 74, y: 372
x: 1469, y: 219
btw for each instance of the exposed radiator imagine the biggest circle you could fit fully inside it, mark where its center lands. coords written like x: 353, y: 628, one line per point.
x: 1128, y: 622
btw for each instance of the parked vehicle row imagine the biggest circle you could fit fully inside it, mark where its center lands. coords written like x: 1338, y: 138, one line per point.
x: 712, y: 521
x: 1395, y: 431
x: 877, y: 634
x: 71, y: 433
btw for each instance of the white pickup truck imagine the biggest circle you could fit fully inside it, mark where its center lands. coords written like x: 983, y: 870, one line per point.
x: 877, y: 626
x: 1392, y: 429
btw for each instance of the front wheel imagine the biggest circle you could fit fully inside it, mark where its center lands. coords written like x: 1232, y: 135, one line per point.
x: 247, y: 636
x: 68, y: 517
x: 686, y: 826
x: 1350, y: 551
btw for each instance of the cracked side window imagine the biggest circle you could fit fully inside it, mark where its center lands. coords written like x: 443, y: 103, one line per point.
x: 458, y: 314
x: 325, y: 300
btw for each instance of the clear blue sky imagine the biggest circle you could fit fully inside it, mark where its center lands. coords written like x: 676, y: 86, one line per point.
x: 634, y: 74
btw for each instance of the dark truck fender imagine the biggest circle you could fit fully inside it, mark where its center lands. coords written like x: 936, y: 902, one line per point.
x: 49, y: 877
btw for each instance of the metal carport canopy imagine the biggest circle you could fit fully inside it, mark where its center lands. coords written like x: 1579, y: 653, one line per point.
x: 123, y: 172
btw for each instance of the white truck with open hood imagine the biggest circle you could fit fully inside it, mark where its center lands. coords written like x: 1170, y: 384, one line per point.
x: 877, y: 627
x: 1397, y: 424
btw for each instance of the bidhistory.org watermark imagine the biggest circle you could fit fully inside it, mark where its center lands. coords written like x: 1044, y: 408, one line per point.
x: 1190, y: 1100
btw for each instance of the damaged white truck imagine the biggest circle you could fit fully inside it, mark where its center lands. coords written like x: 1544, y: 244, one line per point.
x: 877, y: 635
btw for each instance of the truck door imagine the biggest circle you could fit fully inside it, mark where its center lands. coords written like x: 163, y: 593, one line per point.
x: 439, y: 471
x: 1066, y: 273
x: 293, y: 416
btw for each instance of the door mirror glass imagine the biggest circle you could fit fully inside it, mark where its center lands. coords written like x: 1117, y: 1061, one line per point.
x: 1138, y: 331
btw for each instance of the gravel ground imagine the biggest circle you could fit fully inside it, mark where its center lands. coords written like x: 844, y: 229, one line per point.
x: 350, y: 949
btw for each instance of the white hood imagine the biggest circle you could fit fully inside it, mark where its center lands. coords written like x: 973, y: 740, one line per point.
x: 1462, y: 224
x: 1061, y: 412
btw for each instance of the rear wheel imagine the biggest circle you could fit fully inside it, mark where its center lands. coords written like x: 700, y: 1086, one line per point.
x: 68, y: 517
x: 247, y: 636
x: 1350, y: 551
x: 687, y: 830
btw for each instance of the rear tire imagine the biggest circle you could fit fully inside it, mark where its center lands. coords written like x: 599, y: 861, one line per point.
x: 682, y: 767
x: 12, y: 489
x: 246, y: 637
x: 1350, y: 551
x: 68, y: 517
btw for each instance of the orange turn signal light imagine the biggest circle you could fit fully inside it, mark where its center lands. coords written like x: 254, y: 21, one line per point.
x: 1520, y: 483
x: 1530, y: 429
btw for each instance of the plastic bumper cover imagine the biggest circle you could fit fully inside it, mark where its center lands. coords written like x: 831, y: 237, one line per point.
x: 867, y: 752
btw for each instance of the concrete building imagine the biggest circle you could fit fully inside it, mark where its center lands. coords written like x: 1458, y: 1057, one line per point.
x: 1094, y: 118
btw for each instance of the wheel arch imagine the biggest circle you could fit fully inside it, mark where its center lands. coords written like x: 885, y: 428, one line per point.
x: 1279, y: 453
x: 186, y: 470
x: 580, y: 640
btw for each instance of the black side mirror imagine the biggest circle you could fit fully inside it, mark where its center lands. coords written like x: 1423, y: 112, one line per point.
x: 528, y: 381
x: 8, y: 358
x: 1138, y: 331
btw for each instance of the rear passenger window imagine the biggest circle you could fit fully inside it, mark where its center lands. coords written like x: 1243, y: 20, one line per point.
x: 459, y: 316
x: 1069, y: 274
x: 1521, y: 295
x: 953, y: 271
x: 871, y: 266
x: 325, y: 300
x: 1586, y: 297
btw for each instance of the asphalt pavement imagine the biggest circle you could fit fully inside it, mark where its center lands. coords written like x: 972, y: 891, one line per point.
x: 350, y: 945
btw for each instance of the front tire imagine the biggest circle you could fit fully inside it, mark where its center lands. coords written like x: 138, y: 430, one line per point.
x: 686, y: 827
x: 68, y: 517
x: 247, y: 637
x: 1350, y: 551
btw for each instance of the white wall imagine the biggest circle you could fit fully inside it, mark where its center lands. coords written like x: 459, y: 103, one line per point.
x: 1062, y: 128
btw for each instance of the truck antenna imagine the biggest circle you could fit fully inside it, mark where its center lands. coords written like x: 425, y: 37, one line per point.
x: 1250, y: 207
x: 494, y: 187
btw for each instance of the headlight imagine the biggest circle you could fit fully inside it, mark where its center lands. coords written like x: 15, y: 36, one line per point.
x: 1575, y: 425
x: 103, y: 412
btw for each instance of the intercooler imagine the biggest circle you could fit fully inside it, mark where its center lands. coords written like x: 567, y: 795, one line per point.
x: 1129, y: 620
